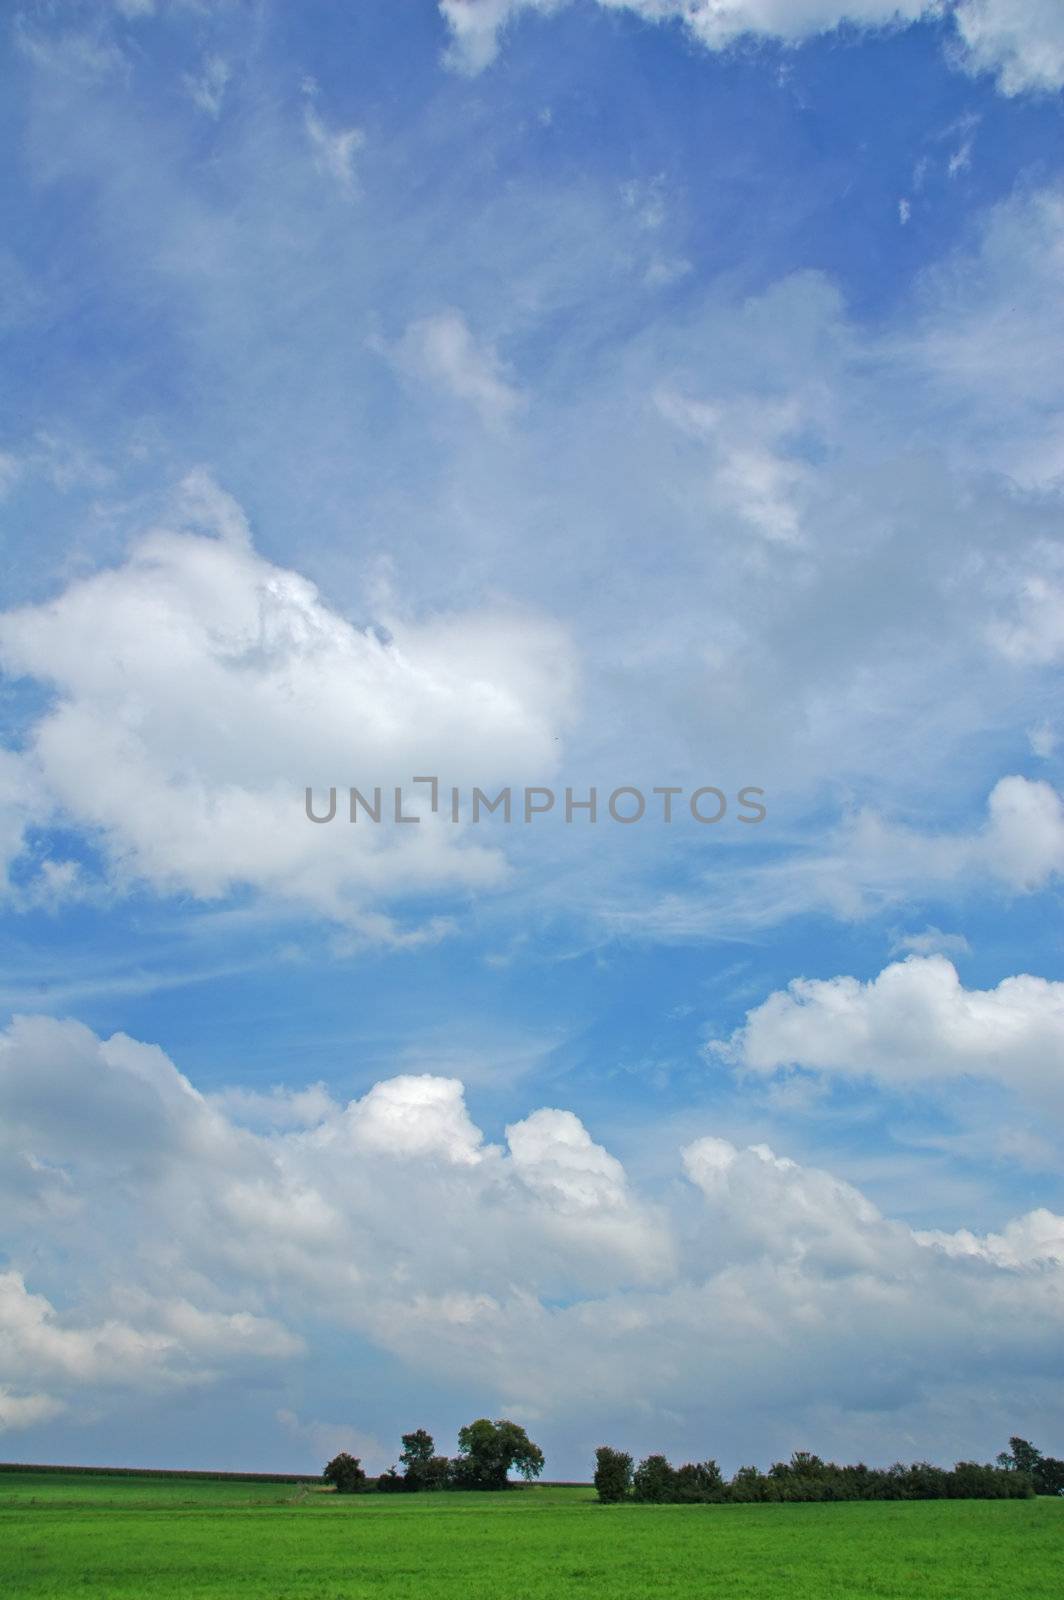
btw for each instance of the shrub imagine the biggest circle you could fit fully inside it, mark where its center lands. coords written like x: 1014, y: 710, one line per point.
x: 699, y: 1482
x: 654, y: 1480
x: 613, y: 1474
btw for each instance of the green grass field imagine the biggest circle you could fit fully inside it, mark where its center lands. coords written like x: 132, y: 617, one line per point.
x: 152, y: 1539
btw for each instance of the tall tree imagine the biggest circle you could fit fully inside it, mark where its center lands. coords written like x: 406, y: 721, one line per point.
x: 418, y: 1448
x: 424, y: 1469
x: 489, y: 1450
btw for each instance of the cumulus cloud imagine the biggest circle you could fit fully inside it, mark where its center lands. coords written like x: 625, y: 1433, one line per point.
x: 24, y: 1410
x: 1033, y: 1240
x: 172, y: 1343
x: 230, y: 685
x: 914, y: 1023
x: 532, y: 1268
x: 1023, y: 842
x: 1020, y: 41
x: 413, y: 1116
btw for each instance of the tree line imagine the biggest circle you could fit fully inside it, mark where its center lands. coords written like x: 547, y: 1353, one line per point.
x: 487, y: 1453
x: 1020, y: 1472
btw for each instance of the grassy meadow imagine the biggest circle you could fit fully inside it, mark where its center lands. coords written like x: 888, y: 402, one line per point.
x: 153, y: 1539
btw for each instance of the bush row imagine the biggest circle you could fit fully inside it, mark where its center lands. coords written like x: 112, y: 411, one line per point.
x: 803, y: 1477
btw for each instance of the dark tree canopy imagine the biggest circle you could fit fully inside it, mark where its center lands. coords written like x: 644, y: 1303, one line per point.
x: 488, y: 1451
x: 613, y: 1474
x: 807, y: 1477
x: 418, y: 1448
x: 424, y: 1469
x: 1045, y: 1472
x: 345, y: 1474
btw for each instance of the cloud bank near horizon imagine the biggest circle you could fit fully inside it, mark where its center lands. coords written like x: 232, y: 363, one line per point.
x: 159, y: 1243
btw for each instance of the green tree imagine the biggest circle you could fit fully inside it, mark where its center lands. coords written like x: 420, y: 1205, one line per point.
x: 424, y: 1469
x: 1045, y: 1472
x: 613, y: 1474
x: 488, y: 1451
x: 418, y: 1448
x: 1049, y: 1477
x: 1025, y: 1457
x: 345, y: 1474
x: 654, y: 1480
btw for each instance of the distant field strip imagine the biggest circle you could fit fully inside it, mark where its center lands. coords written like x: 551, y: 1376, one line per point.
x: 34, y: 1470
x: 156, y: 1538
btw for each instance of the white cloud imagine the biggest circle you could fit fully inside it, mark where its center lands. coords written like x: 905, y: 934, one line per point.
x: 25, y: 1410
x: 1020, y: 41
x: 872, y: 865
x: 1033, y: 635
x: 412, y: 1117
x: 1024, y: 839
x: 279, y: 1108
x: 174, y: 1343
x: 751, y: 470
x: 1036, y: 1239
x: 913, y: 1024
x: 532, y: 1269
x: 556, y: 1157
x: 443, y: 350
x: 229, y: 685
x: 477, y: 25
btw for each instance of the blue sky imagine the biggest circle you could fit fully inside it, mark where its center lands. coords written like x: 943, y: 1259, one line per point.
x: 603, y: 393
